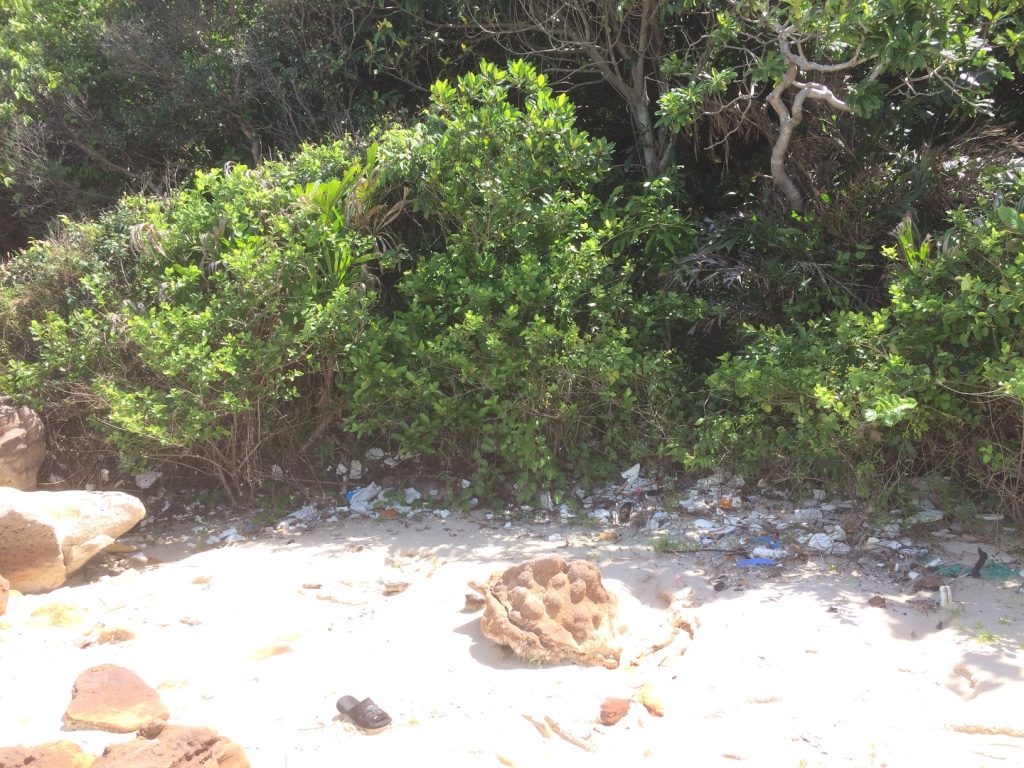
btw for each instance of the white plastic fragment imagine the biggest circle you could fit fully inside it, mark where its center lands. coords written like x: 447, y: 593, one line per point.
x: 365, y: 494
x: 556, y: 537
x: 412, y: 495
x: 146, y: 479
x: 945, y: 596
x: 355, y: 469
x: 545, y: 500
x: 768, y: 552
x: 375, y: 454
x: 341, y: 469
x: 821, y: 542
x: 442, y: 513
x: 632, y: 474
x: 302, y: 513
x: 276, y: 473
x: 807, y: 513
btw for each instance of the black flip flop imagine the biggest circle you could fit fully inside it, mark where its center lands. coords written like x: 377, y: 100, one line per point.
x: 366, y: 714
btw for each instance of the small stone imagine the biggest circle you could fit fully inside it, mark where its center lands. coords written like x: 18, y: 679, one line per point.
x: 341, y: 469
x: 474, y: 602
x: 146, y: 480
x: 876, y: 601
x: 152, y: 729
x: 276, y: 473
x: 442, y: 513
x: 412, y: 495
x: 556, y: 537
x: 613, y: 710
x: 395, y: 587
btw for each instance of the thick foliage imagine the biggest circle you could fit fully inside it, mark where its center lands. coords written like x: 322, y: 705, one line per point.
x: 518, y: 346
x: 516, y: 338
x: 931, y: 382
x: 182, y: 329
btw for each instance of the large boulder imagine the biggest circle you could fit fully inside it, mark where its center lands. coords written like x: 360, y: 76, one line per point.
x: 175, y: 746
x: 22, y: 445
x: 112, y: 698
x: 552, y: 610
x: 45, y: 536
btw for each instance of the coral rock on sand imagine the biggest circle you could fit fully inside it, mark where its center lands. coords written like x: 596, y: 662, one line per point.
x: 552, y: 610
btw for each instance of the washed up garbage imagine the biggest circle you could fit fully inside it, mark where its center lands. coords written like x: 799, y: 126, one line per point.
x: 375, y: 454
x: 768, y: 552
x: 364, y: 495
x: 926, y: 515
x: 821, y: 542
x: 146, y: 480
x: 302, y: 513
x: 412, y: 495
x: 754, y: 562
x: 993, y: 570
x: 632, y: 474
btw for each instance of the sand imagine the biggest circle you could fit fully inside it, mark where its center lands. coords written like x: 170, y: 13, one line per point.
x: 789, y: 667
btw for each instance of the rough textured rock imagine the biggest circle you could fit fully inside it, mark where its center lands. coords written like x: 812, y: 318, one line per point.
x: 176, y: 747
x: 5, y: 588
x: 47, y: 535
x: 22, y: 445
x: 112, y: 698
x: 613, y: 710
x: 58, y: 754
x: 549, y: 609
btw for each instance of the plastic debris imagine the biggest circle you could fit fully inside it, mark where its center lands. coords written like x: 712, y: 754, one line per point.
x: 632, y: 474
x: 375, y: 454
x: 754, y: 562
x: 945, y: 596
x: 545, y: 501
x: 821, y: 542
x: 355, y: 470
x: 364, y: 495
x: 412, y: 495
x: 145, y: 480
x: 768, y: 553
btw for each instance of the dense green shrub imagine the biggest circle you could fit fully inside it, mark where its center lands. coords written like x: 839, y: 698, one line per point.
x: 458, y: 291
x: 192, y: 329
x: 932, y: 382
x: 517, y: 348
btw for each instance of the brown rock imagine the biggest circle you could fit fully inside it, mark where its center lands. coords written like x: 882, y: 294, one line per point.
x: 549, y: 609
x: 112, y: 698
x: 176, y: 747
x: 5, y: 590
x: 58, y: 754
x: 613, y: 710
x: 46, y: 536
x: 22, y: 446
